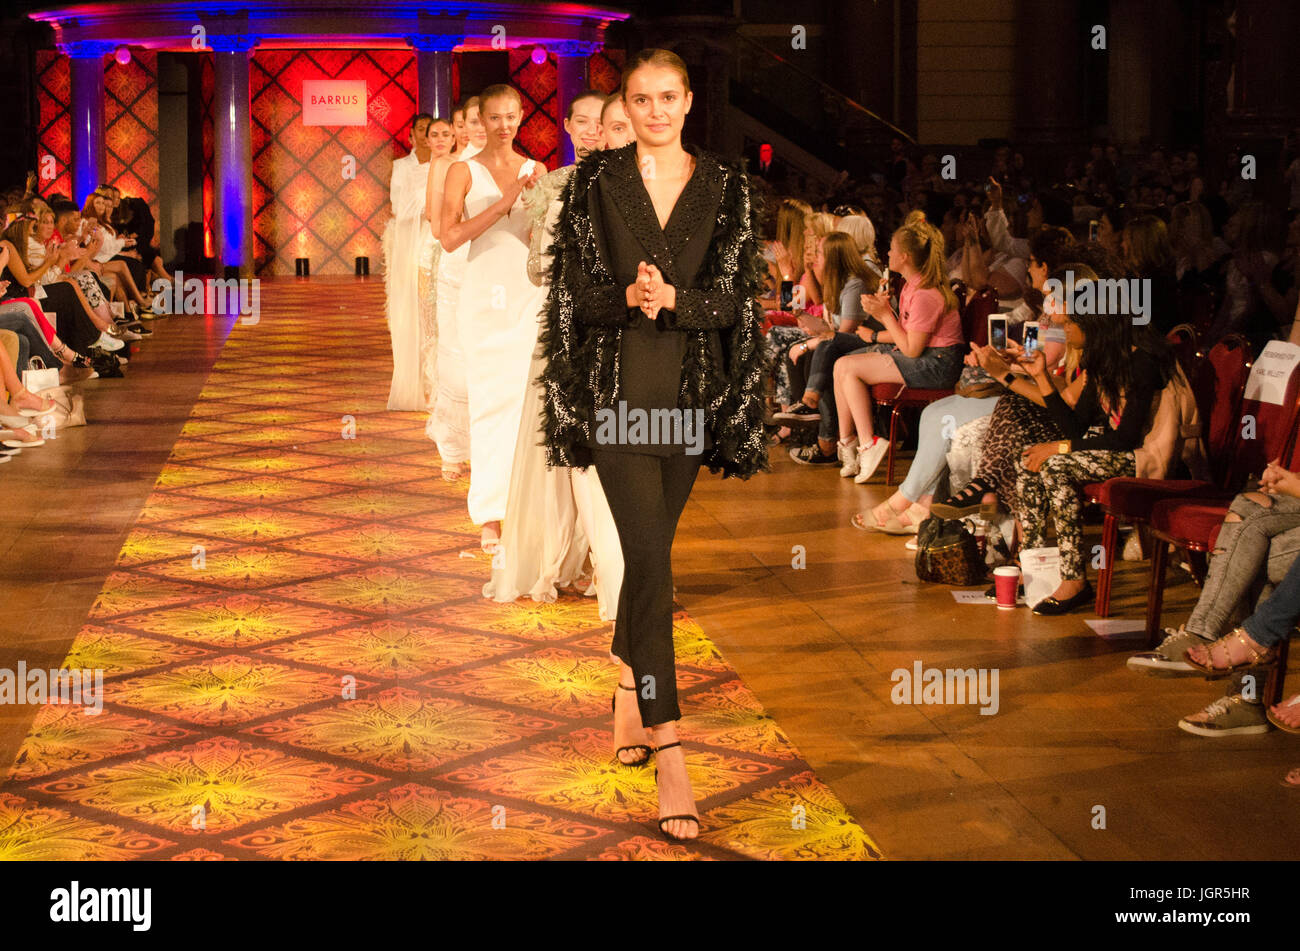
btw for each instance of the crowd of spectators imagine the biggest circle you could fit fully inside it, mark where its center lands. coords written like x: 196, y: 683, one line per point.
x: 891, y: 280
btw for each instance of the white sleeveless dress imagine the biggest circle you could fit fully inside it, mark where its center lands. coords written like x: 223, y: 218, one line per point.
x: 497, y: 335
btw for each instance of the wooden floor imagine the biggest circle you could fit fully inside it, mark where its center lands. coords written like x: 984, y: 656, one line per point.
x: 1075, y: 730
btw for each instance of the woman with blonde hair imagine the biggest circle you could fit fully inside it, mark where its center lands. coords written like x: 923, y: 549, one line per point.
x: 927, y: 344
x: 863, y: 233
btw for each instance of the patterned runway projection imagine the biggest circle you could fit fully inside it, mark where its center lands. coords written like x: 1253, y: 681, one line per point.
x: 298, y: 662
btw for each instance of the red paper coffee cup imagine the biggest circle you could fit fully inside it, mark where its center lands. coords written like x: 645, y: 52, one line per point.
x: 1007, y: 581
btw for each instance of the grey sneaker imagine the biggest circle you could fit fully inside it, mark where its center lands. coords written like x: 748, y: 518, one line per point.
x: 1228, y: 716
x: 1168, y: 657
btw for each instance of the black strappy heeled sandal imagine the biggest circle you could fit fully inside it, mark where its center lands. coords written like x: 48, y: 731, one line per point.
x: 664, y: 819
x: 969, y: 501
x: 637, y: 746
x: 74, y: 359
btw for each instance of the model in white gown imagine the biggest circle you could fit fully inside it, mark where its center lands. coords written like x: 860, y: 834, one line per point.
x: 448, y: 423
x: 403, y: 242
x: 497, y: 333
x: 553, y: 516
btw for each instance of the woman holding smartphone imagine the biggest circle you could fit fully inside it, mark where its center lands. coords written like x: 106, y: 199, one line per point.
x: 653, y: 306
x: 928, y: 344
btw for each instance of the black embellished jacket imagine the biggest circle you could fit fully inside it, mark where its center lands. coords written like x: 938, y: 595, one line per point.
x: 589, y: 332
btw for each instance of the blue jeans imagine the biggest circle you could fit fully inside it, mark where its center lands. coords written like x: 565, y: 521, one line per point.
x: 31, y: 342
x: 1277, y: 614
x: 939, y: 421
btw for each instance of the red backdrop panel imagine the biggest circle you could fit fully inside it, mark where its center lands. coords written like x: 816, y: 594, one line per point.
x: 53, y: 94
x: 303, y: 205
x: 131, y: 125
x: 539, y: 136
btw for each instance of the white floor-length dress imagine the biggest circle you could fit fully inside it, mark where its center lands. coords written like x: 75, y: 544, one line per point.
x: 497, y: 335
x: 553, y: 516
x: 402, y: 243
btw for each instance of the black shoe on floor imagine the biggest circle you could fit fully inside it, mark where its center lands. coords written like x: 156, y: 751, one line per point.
x: 813, y: 456
x: 1051, y: 607
x: 799, y: 413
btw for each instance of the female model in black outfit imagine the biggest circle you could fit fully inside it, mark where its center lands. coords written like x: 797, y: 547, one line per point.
x: 654, y: 281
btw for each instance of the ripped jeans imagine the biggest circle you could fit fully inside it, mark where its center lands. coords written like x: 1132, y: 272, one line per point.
x: 1258, y: 542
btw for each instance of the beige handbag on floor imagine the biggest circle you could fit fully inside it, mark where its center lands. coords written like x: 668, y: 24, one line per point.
x: 69, y: 410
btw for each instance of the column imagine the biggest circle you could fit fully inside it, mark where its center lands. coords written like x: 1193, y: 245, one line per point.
x: 572, y: 56
x: 87, y: 115
x: 233, y: 201
x: 433, y: 70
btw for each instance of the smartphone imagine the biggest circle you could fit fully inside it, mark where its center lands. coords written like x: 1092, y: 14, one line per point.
x: 1093, y: 226
x: 787, y: 294
x: 1031, y: 338
x: 998, y: 332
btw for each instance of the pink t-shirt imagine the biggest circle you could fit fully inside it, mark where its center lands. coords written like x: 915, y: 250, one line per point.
x: 922, y: 309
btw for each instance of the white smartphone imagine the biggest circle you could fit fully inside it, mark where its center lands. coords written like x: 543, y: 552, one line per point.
x: 1031, y: 337
x: 997, y: 332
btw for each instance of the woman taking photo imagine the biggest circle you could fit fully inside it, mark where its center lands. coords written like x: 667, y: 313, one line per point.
x: 1102, y: 415
x: 928, y: 346
x: 652, y: 308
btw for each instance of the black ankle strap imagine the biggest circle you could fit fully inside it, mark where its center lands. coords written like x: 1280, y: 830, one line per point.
x: 621, y: 687
x: 668, y: 746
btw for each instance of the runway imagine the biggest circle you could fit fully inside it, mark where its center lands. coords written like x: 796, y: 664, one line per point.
x: 298, y: 662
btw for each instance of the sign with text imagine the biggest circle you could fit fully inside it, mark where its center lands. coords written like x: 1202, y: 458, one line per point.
x: 333, y: 102
x: 1269, y: 374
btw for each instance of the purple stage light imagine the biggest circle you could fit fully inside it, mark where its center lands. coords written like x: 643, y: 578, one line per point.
x: 539, y: 55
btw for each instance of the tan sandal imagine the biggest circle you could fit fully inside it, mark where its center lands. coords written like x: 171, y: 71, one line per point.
x: 1282, y: 724
x: 1256, y: 658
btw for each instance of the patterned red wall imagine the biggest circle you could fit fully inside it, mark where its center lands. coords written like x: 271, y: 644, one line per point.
x: 53, y: 93
x: 605, y: 70
x: 131, y: 125
x: 302, y: 205
x: 539, y: 136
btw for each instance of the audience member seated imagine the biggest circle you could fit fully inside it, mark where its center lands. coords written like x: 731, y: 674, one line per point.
x: 925, y: 344
x: 1102, y: 416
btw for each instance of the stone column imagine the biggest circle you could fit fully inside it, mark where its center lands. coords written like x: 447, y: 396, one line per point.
x: 572, y: 56
x: 433, y: 68
x: 233, y: 201
x: 87, y: 115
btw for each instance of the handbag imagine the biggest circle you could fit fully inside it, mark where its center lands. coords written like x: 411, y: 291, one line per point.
x: 39, y: 377
x: 947, y: 553
x: 974, y: 383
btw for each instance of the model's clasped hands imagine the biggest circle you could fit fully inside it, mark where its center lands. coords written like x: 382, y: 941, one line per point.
x: 649, y: 293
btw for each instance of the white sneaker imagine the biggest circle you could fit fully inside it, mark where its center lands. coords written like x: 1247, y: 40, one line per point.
x: 849, y: 458
x: 869, y: 458
x: 108, y: 342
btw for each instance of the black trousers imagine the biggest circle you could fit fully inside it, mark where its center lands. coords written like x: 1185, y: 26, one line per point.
x: 646, y: 495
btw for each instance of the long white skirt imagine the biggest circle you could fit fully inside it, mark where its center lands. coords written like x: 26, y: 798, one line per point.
x: 448, y: 424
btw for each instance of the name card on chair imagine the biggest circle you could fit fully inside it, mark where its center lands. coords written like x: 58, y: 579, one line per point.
x: 1272, y: 371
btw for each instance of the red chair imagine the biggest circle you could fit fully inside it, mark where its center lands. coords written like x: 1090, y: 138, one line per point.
x: 1182, y: 340
x: 897, y: 396
x: 1218, y: 382
x: 1193, y: 524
